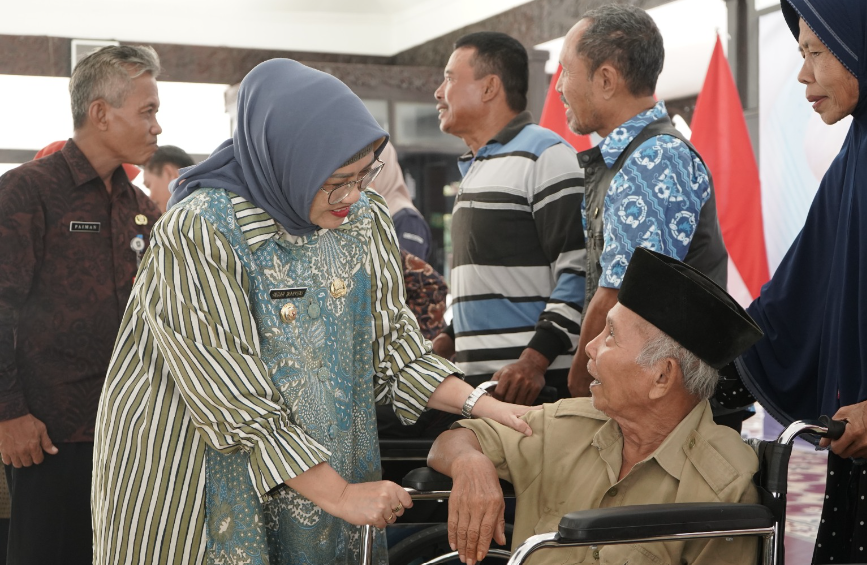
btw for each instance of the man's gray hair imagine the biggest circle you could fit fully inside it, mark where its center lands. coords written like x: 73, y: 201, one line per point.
x: 627, y: 37
x: 699, y: 378
x: 108, y: 74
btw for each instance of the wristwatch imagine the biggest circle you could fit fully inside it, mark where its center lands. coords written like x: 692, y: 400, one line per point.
x: 467, y: 410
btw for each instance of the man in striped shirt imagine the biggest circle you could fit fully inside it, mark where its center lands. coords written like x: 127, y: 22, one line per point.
x: 518, y: 267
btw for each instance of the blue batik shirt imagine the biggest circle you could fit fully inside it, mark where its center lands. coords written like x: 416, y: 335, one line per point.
x: 654, y: 201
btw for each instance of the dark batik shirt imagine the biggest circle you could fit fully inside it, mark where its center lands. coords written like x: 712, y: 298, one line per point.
x: 426, y: 292
x: 66, y: 272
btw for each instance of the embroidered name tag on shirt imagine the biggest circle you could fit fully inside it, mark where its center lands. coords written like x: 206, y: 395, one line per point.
x: 91, y: 227
x: 280, y: 293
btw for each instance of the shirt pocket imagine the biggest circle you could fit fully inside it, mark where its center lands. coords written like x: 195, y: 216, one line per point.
x: 632, y: 554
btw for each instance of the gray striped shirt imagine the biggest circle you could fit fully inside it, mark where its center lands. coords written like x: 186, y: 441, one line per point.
x: 519, y: 255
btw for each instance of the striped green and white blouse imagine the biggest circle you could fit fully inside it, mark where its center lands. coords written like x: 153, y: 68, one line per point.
x: 187, y: 373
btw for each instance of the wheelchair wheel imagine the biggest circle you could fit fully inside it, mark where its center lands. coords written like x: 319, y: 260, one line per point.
x: 433, y: 542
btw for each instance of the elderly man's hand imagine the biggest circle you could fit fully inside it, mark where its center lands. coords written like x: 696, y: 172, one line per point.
x: 853, y: 443
x: 475, y: 508
x: 521, y: 381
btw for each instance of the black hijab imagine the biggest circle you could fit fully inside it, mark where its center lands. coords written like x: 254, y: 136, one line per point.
x: 813, y: 357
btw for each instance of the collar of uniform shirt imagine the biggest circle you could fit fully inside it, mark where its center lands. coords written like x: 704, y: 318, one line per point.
x: 620, y: 138
x: 670, y: 454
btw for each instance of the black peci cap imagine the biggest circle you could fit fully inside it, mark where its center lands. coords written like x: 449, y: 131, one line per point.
x: 687, y: 306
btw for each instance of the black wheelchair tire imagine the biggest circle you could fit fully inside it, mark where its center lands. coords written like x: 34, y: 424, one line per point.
x: 433, y: 542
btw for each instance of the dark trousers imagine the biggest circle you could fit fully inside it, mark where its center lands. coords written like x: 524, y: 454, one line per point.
x: 51, y: 509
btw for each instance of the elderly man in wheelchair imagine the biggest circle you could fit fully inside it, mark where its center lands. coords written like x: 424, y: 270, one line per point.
x: 645, y: 437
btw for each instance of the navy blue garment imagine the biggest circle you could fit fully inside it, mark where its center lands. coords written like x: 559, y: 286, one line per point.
x: 813, y: 358
x: 413, y: 233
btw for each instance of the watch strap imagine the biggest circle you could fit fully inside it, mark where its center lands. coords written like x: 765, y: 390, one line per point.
x: 470, y: 403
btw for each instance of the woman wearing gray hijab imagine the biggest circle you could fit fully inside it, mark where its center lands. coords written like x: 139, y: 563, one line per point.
x: 237, y: 423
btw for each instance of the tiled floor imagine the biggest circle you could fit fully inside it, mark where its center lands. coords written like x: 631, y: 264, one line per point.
x: 806, y: 489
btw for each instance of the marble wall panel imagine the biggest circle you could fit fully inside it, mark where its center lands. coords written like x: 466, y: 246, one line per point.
x: 531, y: 24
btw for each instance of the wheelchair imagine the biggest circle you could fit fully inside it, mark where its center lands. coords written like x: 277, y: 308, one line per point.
x: 656, y: 522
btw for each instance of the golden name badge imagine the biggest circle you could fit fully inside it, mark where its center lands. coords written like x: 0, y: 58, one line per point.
x: 338, y: 288
x: 141, y: 220
x: 288, y: 313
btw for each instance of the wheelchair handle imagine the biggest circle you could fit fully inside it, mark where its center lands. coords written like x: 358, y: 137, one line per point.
x: 836, y: 428
x: 823, y: 427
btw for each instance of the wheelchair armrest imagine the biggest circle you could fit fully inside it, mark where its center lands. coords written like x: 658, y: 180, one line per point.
x: 642, y: 521
x: 426, y: 479
x: 404, y: 448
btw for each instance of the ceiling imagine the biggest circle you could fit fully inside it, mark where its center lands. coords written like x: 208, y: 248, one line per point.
x: 371, y: 27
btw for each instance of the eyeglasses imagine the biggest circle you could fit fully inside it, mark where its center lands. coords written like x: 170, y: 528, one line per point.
x: 341, y: 191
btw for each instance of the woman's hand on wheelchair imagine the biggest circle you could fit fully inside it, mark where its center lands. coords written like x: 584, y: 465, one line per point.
x: 476, y: 509
x: 853, y: 442
x: 377, y: 503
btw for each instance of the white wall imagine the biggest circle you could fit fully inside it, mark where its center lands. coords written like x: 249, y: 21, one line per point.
x: 36, y: 111
x: 795, y: 146
x: 689, y: 29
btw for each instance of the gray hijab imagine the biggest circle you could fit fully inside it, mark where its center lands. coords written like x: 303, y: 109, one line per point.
x: 296, y: 126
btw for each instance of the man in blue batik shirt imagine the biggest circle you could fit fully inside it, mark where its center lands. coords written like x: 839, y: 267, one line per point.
x: 645, y: 185
x: 653, y: 201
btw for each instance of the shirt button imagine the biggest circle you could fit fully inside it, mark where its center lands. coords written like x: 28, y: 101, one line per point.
x: 596, y: 554
x: 585, y: 158
x: 691, y: 442
x: 332, y: 431
x: 322, y: 373
x: 288, y: 313
x: 589, y: 170
x: 612, y: 492
x: 338, y: 288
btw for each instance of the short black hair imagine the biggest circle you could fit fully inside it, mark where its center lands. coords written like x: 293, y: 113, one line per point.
x: 627, y: 37
x: 169, y: 154
x: 502, y: 55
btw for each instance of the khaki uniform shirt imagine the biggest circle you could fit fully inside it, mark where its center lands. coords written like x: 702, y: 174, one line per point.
x: 573, y: 459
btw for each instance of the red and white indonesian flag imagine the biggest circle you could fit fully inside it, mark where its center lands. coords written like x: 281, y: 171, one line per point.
x: 719, y: 132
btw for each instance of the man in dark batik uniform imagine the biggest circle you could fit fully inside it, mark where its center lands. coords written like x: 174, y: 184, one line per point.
x: 72, y: 228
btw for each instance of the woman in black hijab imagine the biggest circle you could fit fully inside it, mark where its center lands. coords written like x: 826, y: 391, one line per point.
x: 813, y: 357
